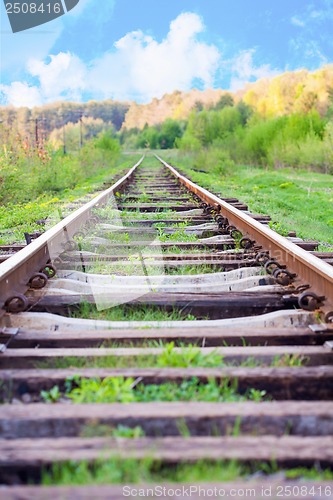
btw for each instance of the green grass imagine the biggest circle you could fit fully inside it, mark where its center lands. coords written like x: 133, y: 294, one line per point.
x: 194, y: 269
x: 132, y: 471
x: 189, y: 356
x: 134, y: 267
x: 296, y: 199
x: 121, y: 431
x: 17, y: 218
x: 116, y: 470
x: 130, y: 313
x: 128, y: 390
x: 163, y: 214
x: 178, y: 235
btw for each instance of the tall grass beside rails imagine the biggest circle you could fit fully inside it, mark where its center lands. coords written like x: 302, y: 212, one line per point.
x: 296, y: 199
x: 26, y: 197
x: 298, y: 140
x: 26, y: 174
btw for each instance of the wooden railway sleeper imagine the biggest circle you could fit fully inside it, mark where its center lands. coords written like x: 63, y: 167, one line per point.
x: 6, y: 336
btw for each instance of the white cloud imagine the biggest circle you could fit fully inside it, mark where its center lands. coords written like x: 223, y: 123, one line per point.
x: 21, y: 94
x: 297, y: 22
x: 62, y: 78
x: 142, y: 68
x: 139, y: 67
x: 244, y: 70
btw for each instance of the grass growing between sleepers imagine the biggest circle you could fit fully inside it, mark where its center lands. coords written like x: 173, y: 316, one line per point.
x: 132, y: 471
x: 129, y: 313
x: 135, y: 267
x: 129, y: 390
x: 187, y: 356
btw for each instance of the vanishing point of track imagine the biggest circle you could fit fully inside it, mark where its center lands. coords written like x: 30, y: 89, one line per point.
x: 266, y: 298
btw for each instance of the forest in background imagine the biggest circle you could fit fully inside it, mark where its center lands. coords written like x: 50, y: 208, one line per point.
x: 291, y: 92
x: 286, y: 121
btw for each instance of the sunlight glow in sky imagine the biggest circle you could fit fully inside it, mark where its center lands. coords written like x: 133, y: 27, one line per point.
x: 141, y: 49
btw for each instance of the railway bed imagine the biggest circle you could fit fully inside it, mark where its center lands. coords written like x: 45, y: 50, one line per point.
x: 162, y: 323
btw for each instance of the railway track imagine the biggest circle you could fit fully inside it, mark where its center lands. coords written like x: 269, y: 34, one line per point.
x: 160, y: 322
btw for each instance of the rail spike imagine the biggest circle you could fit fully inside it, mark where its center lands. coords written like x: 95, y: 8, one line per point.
x: 310, y: 301
x: 329, y: 317
x: 38, y: 280
x: 17, y: 303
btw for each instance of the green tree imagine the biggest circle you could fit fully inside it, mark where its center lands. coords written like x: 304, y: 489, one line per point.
x: 170, y: 131
x: 226, y: 100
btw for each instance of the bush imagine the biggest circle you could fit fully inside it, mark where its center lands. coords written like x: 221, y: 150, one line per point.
x: 214, y: 160
x: 28, y: 173
x: 107, y: 143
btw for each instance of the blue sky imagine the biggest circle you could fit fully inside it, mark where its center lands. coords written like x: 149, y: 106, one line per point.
x: 141, y: 49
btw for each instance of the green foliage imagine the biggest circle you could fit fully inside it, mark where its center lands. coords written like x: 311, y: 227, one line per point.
x: 290, y: 360
x: 259, y: 138
x: 131, y: 313
x: 108, y: 390
x: 236, y: 134
x: 107, y: 143
x: 224, y: 101
x: 296, y: 199
x: 69, y: 135
x: 94, y: 114
x: 190, y: 356
x: 121, y: 431
x: 314, y: 474
x: 158, y: 137
x: 33, y: 190
x: 133, y: 471
x: 179, y: 235
x: 112, y: 470
x: 51, y: 396
x: 214, y: 159
x: 118, y: 389
x: 170, y: 131
x: 28, y: 173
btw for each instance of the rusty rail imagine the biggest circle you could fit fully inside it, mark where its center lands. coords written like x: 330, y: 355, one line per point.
x: 308, y: 268
x: 16, y: 272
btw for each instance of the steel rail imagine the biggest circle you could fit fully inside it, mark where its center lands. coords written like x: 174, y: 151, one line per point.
x: 16, y: 271
x: 309, y: 268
